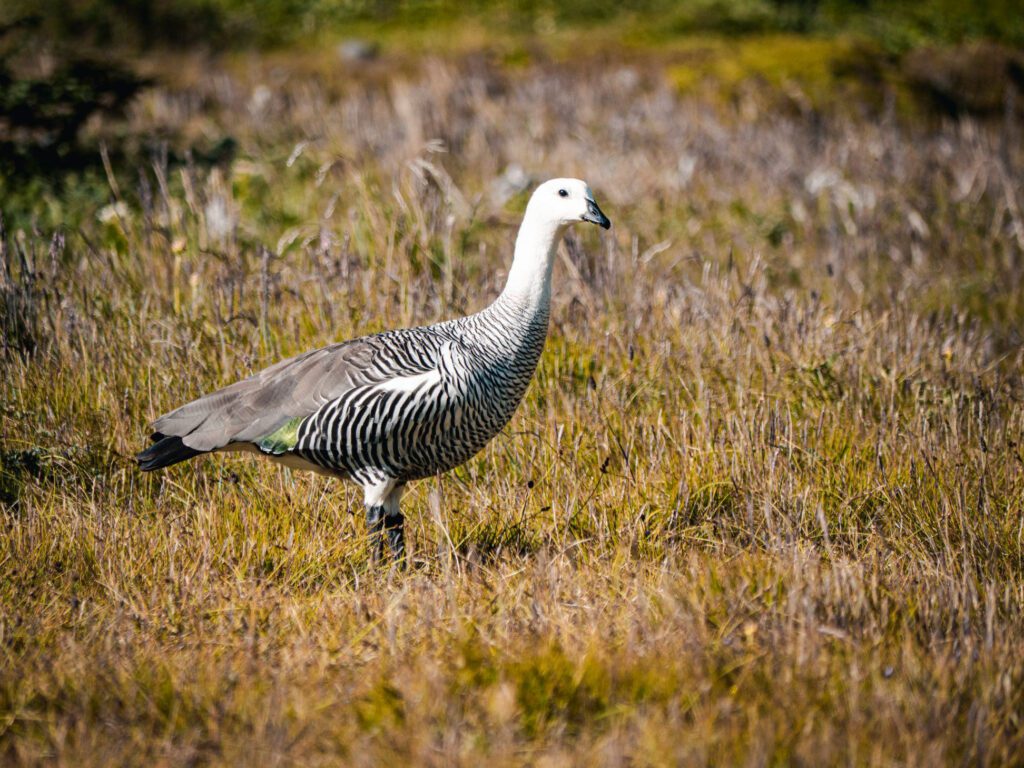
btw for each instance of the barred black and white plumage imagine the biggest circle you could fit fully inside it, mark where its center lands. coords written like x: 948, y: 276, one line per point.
x: 398, y: 406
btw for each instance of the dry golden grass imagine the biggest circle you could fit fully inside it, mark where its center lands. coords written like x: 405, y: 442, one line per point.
x: 762, y: 505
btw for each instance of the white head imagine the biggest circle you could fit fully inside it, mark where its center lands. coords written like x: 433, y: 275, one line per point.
x: 554, y: 206
x: 565, y: 202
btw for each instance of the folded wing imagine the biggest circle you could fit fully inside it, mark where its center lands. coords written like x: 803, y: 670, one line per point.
x: 252, y: 409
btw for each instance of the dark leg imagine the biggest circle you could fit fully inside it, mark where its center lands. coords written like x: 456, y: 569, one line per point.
x: 375, y: 527
x: 394, y: 531
x: 387, y: 534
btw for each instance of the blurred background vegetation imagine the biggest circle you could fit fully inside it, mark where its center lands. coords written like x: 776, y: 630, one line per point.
x: 897, y: 25
x: 69, y: 69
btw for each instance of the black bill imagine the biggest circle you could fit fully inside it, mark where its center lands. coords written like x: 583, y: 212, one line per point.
x: 594, y: 215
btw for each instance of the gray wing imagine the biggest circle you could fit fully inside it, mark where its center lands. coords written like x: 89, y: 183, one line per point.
x: 256, y: 407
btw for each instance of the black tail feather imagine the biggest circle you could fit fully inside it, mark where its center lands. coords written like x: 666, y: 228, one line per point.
x: 166, y: 450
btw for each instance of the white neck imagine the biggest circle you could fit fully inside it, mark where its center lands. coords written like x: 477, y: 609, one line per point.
x: 529, y: 279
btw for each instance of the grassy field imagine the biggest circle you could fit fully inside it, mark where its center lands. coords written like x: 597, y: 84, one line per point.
x: 762, y: 505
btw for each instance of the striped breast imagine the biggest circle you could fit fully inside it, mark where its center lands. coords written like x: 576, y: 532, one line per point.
x: 445, y: 391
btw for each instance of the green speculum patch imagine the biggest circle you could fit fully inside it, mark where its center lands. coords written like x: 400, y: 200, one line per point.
x: 282, y: 439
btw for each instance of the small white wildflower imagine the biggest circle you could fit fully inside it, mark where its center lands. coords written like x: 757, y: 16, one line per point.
x: 220, y: 220
x: 110, y: 214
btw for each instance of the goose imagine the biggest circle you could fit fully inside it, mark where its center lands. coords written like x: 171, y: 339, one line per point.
x: 402, y: 405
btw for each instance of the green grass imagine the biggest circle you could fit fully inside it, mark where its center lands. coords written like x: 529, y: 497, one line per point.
x: 761, y: 504
x: 896, y: 24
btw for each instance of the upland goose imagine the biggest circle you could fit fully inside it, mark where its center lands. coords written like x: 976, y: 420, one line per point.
x: 386, y: 409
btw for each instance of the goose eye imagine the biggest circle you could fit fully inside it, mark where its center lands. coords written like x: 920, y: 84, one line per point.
x: 562, y: 193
